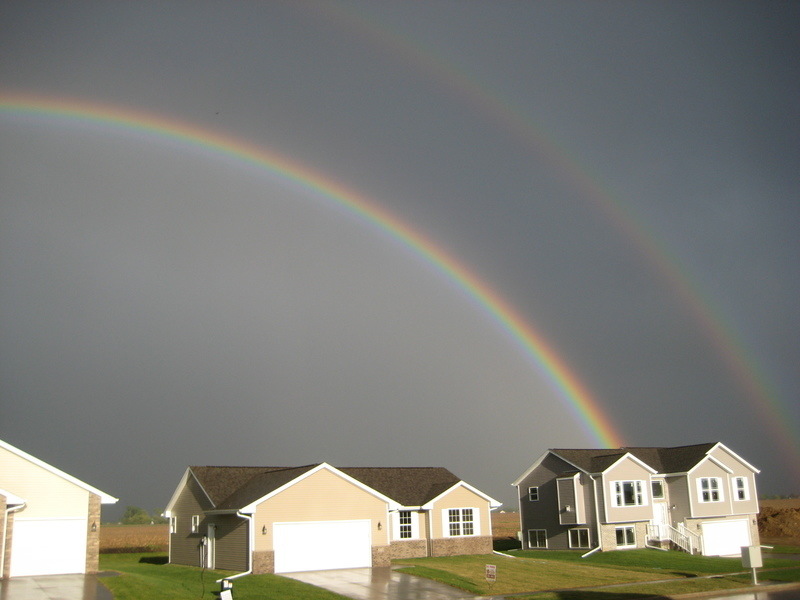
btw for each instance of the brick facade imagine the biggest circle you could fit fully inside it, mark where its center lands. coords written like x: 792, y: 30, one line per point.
x: 93, y: 535
x: 263, y: 562
x: 461, y: 545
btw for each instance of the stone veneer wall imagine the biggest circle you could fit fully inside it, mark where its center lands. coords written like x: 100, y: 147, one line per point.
x: 461, y: 545
x: 408, y: 549
x: 263, y: 562
x: 381, y: 556
x: 93, y: 537
x: 4, y: 539
x: 609, y: 535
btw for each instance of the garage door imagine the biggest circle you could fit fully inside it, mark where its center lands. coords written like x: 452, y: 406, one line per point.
x: 724, y: 538
x: 48, y: 547
x: 320, y: 545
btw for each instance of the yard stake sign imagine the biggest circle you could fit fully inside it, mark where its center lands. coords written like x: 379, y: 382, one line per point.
x: 491, y: 573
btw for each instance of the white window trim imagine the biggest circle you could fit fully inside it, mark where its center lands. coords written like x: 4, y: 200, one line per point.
x: 618, y: 494
x: 531, y: 494
x: 414, y: 525
x: 624, y: 528
x: 744, y: 488
x: 663, y: 489
x: 476, y: 521
x: 173, y: 524
x: 719, y: 490
x: 537, y: 546
x: 195, y: 523
x: 588, y: 537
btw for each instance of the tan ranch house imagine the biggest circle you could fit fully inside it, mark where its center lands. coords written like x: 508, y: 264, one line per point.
x: 49, y: 520
x: 700, y: 498
x: 315, y: 517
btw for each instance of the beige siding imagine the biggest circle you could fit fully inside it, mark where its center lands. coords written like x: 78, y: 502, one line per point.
x: 738, y: 507
x: 627, y: 470
x: 47, y: 495
x: 709, y: 468
x: 183, y: 544
x: 322, y: 496
x: 461, y: 497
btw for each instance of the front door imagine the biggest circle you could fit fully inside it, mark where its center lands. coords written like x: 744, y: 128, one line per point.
x: 661, y: 520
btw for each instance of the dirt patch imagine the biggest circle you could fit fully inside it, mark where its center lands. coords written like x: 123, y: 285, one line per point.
x: 779, y: 521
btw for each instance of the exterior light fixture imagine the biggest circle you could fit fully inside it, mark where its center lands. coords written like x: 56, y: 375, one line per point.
x: 264, y: 530
x: 379, y: 526
x: 94, y: 526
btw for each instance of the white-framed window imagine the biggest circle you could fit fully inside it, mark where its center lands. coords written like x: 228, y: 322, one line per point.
x: 626, y: 537
x: 460, y: 522
x: 579, y: 538
x: 533, y: 494
x: 740, y: 489
x: 195, y: 523
x: 173, y: 524
x: 537, y: 538
x: 629, y: 493
x: 710, y: 489
x: 404, y: 524
x: 657, y: 489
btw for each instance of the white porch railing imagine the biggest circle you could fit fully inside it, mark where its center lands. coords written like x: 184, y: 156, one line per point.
x: 686, y: 540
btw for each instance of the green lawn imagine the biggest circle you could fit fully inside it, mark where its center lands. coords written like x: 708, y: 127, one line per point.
x: 148, y: 577
x: 548, y: 570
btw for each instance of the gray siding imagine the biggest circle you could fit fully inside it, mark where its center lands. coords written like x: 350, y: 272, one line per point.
x: 568, y: 505
x: 231, y: 542
x: 184, y: 545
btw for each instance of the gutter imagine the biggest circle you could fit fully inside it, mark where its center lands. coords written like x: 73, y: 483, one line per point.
x: 251, y: 543
x: 8, y: 511
x: 596, y: 516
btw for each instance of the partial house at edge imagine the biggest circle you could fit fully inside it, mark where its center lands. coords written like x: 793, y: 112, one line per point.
x: 50, y: 520
x: 314, y: 517
x: 700, y: 498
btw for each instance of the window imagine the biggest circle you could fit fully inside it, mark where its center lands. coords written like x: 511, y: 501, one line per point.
x: 537, y: 538
x: 195, y: 523
x: 740, y: 488
x: 626, y: 537
x: 173, y: 525
x: 657, y: 489
x: 460, y: 522
x: 710, y: 489
x: 533, y: 494
x: 629, y: 493
x: 579, y: 538
x: 405, y: 524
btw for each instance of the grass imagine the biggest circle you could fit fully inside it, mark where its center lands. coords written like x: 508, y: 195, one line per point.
x: 146, y: 576
x: 549, y: 570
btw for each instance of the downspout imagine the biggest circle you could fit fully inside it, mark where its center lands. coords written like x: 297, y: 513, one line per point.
x: 250, y: 546
x: 8, y: 511
x: 596, y: 519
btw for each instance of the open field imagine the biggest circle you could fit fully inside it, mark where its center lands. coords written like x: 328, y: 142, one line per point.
x: 134, y: 538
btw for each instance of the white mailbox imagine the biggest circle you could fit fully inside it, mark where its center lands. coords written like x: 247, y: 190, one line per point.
x: 751, y: 557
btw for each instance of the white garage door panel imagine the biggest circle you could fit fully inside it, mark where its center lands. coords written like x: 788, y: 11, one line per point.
x: 725, y: 538
x: 48, y: 547
x: 320, y: 545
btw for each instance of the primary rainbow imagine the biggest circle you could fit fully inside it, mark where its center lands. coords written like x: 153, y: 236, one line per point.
x: 541, y: 354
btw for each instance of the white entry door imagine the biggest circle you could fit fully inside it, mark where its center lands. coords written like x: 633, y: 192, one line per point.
x: 322, y: 545
x: 48, y: 547
x: 661, y: 520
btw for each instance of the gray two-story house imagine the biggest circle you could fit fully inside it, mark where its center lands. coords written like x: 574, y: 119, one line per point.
x: 699, y: 498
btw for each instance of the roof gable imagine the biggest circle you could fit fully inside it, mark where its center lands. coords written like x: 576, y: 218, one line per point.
x: 104, y: 497
x: 233, y: 488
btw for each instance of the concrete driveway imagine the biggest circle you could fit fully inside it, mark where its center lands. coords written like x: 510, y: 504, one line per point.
x: 54, y: 587
x: 379, y: 583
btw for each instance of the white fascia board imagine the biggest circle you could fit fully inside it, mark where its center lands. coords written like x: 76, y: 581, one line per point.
x: 104, y: 498
x: 531, y: 468
x: 11, y: 499
x: 736, y: 456
x: 492, y: 502
x: 636, y: 460
x: 251, y: 508
x: 708, y: 457
x: 184, y: 480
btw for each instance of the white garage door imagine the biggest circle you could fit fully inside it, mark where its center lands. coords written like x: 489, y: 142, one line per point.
x: 320, y: 545
x: 48, y: 547
x: 724, y: 538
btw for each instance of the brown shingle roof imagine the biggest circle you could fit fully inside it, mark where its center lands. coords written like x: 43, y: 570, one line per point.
x: 234, y: 487
x: 677, y: 459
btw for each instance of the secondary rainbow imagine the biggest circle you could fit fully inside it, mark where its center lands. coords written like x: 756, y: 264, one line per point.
x: 540, y: 353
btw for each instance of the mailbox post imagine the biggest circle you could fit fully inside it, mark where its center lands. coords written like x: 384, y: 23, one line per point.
x: 751, y: 559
